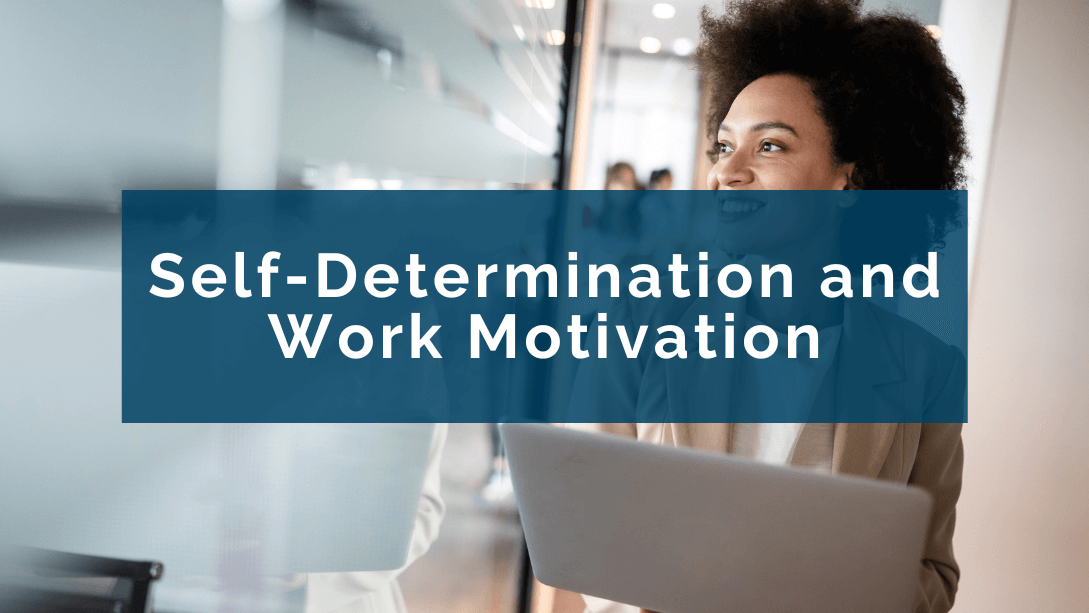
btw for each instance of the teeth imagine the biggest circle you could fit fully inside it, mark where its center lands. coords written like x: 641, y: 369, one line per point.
x: 740, y: 206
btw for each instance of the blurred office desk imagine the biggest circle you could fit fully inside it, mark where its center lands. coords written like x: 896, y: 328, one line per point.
x: 56, y: 582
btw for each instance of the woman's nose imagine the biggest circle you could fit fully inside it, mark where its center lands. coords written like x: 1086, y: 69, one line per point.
x: 730, y: 172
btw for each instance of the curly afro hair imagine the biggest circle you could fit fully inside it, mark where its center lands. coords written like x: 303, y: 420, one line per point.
x: 890, y: 103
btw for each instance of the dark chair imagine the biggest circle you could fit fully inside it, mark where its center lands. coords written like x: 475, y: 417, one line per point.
x: 43, y: 581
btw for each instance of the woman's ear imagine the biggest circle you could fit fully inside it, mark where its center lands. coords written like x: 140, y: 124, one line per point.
x: 851, y: 183
x: 852, y: 176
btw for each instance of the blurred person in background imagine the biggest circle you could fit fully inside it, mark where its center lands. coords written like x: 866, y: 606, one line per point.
x: 795, y: 106
x: 621, y: 175
x: 661, y: 179
x: 498, y: 486
x: 378, y: 591
x: 619, y: 214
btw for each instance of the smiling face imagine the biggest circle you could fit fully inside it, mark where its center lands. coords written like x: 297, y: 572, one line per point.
x: 772, y: 138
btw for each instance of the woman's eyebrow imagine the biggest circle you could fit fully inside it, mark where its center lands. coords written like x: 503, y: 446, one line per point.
x: 773, y: 125
x: 766, y: 125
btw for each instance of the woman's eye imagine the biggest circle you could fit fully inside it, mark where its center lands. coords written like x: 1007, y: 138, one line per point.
x: 767, y: 147
x: 724, y: 148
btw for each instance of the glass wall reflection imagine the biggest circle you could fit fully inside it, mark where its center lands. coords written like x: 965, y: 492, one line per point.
x: 256, y: 94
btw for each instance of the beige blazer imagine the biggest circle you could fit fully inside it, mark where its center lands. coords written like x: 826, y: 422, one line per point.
x: 883, y: 358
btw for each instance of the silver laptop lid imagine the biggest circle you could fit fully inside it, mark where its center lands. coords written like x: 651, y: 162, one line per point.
x: 686, y: 531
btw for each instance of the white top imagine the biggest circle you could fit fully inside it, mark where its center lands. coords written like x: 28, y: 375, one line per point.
x: 783, y: 381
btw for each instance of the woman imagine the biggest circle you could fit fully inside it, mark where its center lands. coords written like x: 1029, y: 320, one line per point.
x: 815, y: 95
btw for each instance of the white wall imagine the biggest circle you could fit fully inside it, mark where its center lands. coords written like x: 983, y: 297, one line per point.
x: 646, y: 112
x: 973, y: 40
x: 1023, y: 522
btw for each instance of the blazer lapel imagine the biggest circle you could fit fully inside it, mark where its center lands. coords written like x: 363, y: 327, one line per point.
x: 696, y: 383
x: 862, y: 449
x: 869, y: 382
x: 869, y: 378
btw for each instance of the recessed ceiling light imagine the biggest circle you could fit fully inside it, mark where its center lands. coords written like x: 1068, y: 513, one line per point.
x: 683, y: 46
x: 663, y: 11
x: 650, y: 44
x: 554, y: 37
x: 935, y: 31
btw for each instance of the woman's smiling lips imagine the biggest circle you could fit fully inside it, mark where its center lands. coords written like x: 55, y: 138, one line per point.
x: 734, y: 209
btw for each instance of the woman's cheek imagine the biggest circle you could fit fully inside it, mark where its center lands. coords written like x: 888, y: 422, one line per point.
x: 712, y: 177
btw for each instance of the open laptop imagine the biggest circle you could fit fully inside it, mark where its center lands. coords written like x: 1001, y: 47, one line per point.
x: 678, y: 530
